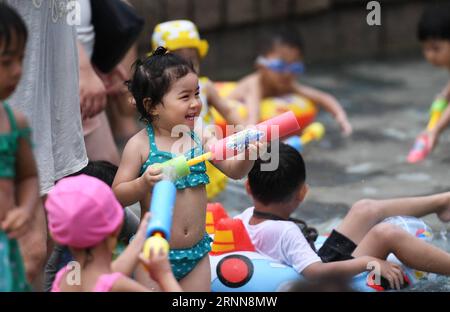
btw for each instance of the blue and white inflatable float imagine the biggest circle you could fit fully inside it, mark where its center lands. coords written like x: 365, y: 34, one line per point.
x: 249, y: 271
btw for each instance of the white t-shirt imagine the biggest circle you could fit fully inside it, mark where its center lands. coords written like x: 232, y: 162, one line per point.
x: 280, y: 240
x: 48, y: 93
x: 85, y: 31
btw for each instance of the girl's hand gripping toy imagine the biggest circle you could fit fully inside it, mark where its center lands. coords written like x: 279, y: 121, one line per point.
x: 313, y: 132
x: 421, y: 147
x: 267, y: 131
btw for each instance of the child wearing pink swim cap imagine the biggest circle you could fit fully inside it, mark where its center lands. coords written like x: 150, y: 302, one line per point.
x: 84, y: 215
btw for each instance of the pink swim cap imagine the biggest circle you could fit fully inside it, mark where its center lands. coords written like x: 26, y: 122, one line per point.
x: 82, y: 211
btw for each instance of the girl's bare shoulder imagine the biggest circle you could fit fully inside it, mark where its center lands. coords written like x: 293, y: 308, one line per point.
x: 139, y: 139
x: 21, y: 120
x: 138, y: 143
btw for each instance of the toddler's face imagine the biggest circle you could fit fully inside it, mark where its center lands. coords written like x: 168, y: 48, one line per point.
x: 284, y: 65
x: 182, y: 104
x: 11, y: 59
x: 437, y: 52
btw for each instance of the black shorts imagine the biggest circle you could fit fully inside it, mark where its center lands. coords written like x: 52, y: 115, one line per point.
x: 337, y: 247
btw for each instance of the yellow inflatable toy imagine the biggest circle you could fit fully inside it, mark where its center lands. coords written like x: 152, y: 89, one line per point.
x: 304, y: 109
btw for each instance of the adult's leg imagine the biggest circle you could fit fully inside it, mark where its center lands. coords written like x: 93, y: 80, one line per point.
x: 366, y: 213
x: 100, y: 144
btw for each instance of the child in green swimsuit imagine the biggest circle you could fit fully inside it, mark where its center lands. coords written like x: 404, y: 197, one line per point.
x: 166, y: 91
x: 19, y: 188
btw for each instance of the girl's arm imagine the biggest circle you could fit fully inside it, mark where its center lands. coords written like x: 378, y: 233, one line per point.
x: 160, y: 271
x: 236, y: 168
x: 125, y: 284
x: 329, y: 103
x: 26, y: 188
x: 231, y: 115
x: 128, y: 260
x: 128, y: 187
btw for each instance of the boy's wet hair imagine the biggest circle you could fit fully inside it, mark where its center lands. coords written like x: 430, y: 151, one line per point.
x: 435, y: 23
x: 153, y: 78
x: 11, y: 25
x: 280, y: 185
x: 286, y: 36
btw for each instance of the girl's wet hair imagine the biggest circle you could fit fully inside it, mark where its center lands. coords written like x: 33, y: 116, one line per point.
x: 153, y: 78
x: 435, y: 23
x: 11, y: 25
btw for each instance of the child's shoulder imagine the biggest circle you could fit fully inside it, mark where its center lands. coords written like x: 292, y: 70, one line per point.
x: 283, y: 228
x: 273, y: 228
x: 139, y: 138
x: 21, y: 119
x: 138, y: 143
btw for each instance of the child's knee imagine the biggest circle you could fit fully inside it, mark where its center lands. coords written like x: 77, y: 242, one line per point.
x: 387, y: 232
x: 365, y: 209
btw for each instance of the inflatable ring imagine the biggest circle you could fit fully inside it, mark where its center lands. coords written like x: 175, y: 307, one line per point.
x: 236, y: 266
x: 304, y: 109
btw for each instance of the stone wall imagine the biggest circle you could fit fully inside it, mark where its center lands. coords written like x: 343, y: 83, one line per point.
x: 332, y: 30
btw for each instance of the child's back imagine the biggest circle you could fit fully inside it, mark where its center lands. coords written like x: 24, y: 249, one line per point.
x: 281, y: 240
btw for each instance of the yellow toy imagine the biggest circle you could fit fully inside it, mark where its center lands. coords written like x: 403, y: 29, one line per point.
x: 314, y: 132
x: 421, y: 147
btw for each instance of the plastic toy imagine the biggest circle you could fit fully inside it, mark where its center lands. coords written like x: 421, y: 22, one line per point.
x: 269, y: 130
x: 421, y: 147
x: 158, y: 229
x: 313, y: 132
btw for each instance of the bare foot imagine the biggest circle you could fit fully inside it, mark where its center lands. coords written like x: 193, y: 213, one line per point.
x: 444, y: 213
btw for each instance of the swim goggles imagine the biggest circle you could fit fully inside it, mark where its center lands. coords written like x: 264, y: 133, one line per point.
x: 280, y: 66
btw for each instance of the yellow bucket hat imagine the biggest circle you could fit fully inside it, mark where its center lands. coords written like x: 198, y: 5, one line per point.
x: 179, y: 34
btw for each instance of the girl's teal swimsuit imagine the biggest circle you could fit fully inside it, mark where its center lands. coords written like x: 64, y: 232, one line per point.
x: 183, y: 261
x: 12, y: 271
